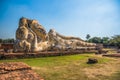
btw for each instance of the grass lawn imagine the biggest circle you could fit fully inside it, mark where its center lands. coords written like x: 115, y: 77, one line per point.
x: 74, y: 67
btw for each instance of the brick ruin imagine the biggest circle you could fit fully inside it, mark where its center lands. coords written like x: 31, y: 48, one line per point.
x: 17, y: 71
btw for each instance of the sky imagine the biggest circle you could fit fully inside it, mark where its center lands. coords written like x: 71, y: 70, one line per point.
x: 68, y: 17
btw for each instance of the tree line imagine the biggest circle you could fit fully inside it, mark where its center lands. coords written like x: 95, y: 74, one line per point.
x: 9, y: 40
x: 113, y: 41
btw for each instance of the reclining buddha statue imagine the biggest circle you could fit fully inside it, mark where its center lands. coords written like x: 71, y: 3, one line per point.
x: 31, y: 36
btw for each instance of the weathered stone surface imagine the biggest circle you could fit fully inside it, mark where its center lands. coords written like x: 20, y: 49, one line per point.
x: 17, y: 71
x: 112, y: 55
x: 31, y: 36
x: 118, y: 51
x: 92, y: 61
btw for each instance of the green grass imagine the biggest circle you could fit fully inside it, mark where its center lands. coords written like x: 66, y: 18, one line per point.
x: 49, y: 61
x: 69, y: 67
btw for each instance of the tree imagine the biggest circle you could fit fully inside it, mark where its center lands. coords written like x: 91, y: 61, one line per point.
x: 88, y: 37
x: 9, y: 40
x: 105, y: 40
x: 115, y: 41
x: 95, y: 40
x: 1, y: 40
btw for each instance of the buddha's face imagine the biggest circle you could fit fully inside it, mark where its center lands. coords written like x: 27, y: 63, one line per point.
x: 38, y: 30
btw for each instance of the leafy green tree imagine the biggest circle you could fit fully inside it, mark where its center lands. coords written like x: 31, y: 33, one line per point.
x: 115, y: 41
x: 10, y: 40
x: 105, y: 40
x: 1, y: 40
x: 95, y: 40
x: 88, y: 36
